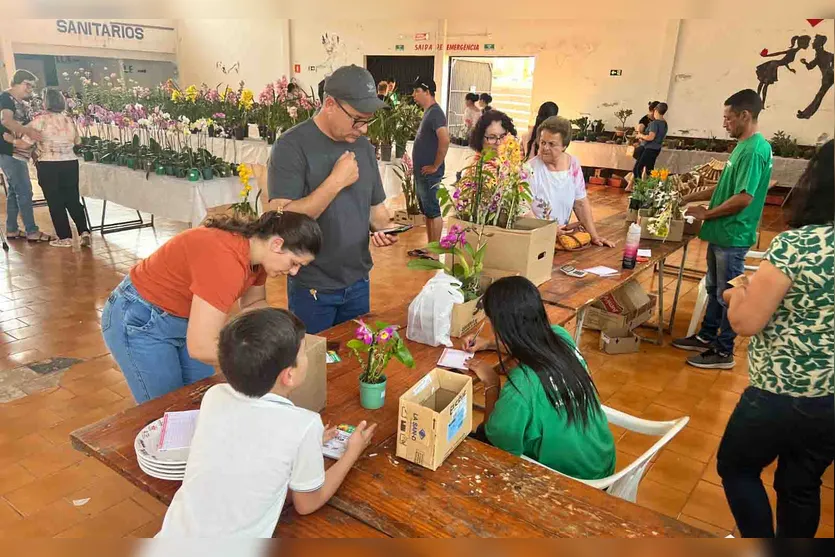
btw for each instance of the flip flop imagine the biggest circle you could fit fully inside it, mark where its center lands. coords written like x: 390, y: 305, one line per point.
x: 41, y: 237
x: 16, y: 235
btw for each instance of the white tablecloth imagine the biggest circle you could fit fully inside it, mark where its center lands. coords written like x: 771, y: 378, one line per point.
x: 163, y: 196
x: 607, y: 155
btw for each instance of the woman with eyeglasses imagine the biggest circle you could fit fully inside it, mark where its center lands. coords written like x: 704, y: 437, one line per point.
x: 490, y: 130
x: 557, y: 185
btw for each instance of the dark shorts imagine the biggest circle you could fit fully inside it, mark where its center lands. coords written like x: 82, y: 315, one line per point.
x: 427, y: 194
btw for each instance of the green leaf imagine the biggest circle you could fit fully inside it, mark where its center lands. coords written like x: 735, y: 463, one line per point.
x: 425, y: 265
x: 403, y: 355
x: 357, y: 345
x: 436, y: 249
x: 469, y: 249
x: 380, y: 325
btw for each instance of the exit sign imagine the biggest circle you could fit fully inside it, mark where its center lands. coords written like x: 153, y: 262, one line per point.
x: 399, y: 47
x: 615, y: 73
x: 489, y: 46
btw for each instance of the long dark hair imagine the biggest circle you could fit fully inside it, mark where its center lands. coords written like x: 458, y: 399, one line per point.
x: 516, y: 311
x: 813, y: 200
x: 301, y: 234
x: 480, y: 128
x: 546, y: 110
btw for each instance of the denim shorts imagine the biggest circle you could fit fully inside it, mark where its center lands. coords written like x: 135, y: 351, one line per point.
x: 427, y: 194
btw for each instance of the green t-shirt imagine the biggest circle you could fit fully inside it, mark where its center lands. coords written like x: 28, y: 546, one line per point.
x: 748, y: 170
x: 793, y: 354
x: 525, y: 422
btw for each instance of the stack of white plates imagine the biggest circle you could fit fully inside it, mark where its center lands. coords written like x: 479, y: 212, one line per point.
x: 165, y: 465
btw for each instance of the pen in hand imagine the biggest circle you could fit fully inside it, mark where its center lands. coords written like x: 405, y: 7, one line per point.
x: 471, y: 344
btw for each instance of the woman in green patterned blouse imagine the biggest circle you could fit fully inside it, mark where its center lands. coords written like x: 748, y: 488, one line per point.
x: 787, y: 413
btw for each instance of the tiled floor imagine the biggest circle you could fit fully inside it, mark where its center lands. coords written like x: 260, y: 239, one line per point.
x: 50, y: 304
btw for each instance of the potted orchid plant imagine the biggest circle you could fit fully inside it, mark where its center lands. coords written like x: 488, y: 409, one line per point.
x: 374, y: 347
x: 405, y: 171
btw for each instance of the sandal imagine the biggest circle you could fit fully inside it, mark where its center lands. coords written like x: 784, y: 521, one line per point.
x: 41, y: 237
x: 17, y: 235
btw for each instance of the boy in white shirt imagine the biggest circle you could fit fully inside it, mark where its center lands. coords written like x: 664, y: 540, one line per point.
x: 251, y: 443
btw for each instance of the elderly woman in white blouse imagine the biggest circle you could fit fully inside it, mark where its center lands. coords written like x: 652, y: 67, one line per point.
x: 557, y: 184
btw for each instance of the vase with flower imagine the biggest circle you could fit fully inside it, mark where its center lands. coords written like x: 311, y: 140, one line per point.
x: 374, y: 347
x: 662, y: 214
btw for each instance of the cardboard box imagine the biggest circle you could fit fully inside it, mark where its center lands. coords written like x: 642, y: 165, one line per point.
x: 626, y: 344
x: 622, y: 310
x: 313, y: 393
x: 675, y: 235
x: 402, y: 217
x: 527, y: 250
x: 435, y: 415
x: 466, y: 316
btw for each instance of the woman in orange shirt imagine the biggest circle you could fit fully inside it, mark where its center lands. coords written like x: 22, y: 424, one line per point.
x: 162, y: 322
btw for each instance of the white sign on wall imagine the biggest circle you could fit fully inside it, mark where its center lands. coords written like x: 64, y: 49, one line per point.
x: 40, y: 36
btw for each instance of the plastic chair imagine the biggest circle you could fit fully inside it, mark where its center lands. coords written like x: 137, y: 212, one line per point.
x: 701, y: 297
x: 624, y: 484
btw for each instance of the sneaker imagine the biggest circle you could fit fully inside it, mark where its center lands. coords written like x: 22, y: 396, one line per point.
x: 65, y: 243
x: 693, y: 343
x: 712, y: 359
x: 86, y: 240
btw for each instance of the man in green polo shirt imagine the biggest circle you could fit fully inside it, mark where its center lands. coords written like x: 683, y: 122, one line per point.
x: 730, y: 227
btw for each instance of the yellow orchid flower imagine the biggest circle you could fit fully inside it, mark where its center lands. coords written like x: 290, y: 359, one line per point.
x: 191, y: 93
x: 175, y: 95
x: 664, y: 173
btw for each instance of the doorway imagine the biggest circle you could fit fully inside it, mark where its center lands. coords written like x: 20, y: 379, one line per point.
x: 508, y: 79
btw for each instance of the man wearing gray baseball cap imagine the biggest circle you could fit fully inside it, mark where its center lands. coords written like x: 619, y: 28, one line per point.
x: 326, y: 168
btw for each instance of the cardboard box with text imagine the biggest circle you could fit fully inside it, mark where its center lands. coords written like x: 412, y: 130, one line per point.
x: 435, y: 415
x: 624, y: 309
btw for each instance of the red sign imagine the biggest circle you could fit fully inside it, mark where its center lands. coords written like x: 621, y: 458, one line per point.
x: 297, y: 68
x: 421, y: 36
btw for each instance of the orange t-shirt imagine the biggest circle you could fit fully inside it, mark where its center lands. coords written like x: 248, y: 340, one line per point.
x: 206, y: 262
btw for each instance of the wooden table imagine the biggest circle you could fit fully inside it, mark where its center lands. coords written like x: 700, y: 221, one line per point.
x: 387, y: 496
x: 578, y: 293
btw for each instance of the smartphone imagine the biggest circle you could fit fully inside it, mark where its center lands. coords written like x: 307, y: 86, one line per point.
x: 395, y: 230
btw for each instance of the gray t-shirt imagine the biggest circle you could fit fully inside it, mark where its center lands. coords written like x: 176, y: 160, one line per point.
x: 301, y: 159
x: 660, y: 129
x: 426, y: 141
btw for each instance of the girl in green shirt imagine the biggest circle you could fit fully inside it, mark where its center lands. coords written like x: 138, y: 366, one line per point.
x: 548, y: 409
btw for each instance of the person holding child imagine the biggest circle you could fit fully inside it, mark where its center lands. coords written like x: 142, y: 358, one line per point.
x: 252, y: 444
x: 549, y: 409
x: 161, y: 324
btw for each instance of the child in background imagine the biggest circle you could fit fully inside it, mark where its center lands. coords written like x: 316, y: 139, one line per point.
x: 251, y: 443
x: 548, y: 409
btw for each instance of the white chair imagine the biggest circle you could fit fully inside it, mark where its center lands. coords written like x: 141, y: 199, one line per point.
x: 701, y: 298
x: 624, y: 484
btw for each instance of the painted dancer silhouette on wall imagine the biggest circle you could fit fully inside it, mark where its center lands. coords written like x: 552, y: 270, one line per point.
x: 824, y: 61
x: 767, y: 71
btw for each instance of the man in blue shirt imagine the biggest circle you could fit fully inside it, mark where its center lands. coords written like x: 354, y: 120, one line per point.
x: 428, y: 154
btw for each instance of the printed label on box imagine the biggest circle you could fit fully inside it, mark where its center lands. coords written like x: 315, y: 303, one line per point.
x: 457, y: 413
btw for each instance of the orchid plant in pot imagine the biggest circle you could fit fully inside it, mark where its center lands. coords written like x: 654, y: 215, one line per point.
x: 457, y: 251
x: 374, y: 347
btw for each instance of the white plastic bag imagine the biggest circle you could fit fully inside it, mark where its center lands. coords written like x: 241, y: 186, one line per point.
x: 430, y: 313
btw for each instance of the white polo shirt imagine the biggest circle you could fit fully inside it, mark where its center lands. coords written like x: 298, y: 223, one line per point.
x: 245, y: 454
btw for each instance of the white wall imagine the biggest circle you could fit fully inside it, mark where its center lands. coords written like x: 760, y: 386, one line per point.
x: 259, y: 47
x: 716, y: 59
x: 357, y: 39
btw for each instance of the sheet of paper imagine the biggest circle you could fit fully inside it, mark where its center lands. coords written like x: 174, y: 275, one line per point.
x: 644, y: 253
x: 177, y: 430
x: 602, y: 271
x: 454, y: 359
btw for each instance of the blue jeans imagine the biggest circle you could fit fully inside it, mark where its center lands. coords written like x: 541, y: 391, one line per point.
x: 723, y: 264
x: 148, y: 344
x: 19, y: 199
x: 796, y: 431
x: 328, y: 308
x: 427, y: 194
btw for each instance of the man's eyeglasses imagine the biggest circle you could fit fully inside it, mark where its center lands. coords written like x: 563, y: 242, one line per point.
x: 493, y: 139
x: 357, y: 121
